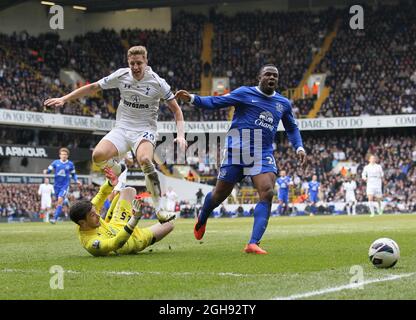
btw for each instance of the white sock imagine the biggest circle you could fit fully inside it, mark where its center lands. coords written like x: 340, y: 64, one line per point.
x: 370, y: 205
x: 152, y: 183
x: 353, y: 210
x: 378, y: 207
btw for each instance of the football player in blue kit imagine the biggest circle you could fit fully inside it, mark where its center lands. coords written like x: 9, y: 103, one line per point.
x: 313, y: 189
x: 63, y: 170
x: 248, y: 149
x: 283, y: 183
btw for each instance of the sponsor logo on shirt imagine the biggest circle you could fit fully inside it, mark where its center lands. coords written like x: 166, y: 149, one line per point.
x: 135, y: 105
x: 265, y: 120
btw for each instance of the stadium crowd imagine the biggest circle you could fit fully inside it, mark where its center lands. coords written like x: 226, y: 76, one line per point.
x: 369, y: 72
x: 248, y: 40
x: 22, y: 201
x: 332, y: 157
x: 32, y: 64
x: 39, y: 137
x: 335, y: 156
x: 19, y: 201
x: 373, y: 71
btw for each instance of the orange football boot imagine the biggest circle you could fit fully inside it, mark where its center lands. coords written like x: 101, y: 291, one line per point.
x: 254, y: 248
x: 199, y: 233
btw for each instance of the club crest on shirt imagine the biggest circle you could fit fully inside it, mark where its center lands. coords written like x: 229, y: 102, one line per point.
x: 279, y: 107
x: 222, y: 173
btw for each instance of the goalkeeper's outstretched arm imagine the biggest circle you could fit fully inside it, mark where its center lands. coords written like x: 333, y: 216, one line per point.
x: 98, y: 246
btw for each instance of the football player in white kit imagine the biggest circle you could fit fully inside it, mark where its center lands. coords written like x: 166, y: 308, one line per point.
x: 373, y: 175
x: 46, y: 191
x: 349, y: 187
x: 171, y: 198
x: 136, y: 121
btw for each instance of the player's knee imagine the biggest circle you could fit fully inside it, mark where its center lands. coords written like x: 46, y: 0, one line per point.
x: 267, y: 195
x: 98, y: 156
x: 144, y: 160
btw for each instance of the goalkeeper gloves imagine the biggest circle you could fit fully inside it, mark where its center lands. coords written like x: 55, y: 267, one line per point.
x: 137, y: 204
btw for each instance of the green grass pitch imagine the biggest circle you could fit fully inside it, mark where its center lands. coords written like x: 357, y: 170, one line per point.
x: 306, y: 255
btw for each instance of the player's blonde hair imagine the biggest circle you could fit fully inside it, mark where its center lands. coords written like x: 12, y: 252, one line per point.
x: 141, y: 50
x: 64, y: 150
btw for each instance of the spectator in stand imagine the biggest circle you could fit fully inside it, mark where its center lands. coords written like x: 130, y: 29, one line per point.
x: 199, y: 196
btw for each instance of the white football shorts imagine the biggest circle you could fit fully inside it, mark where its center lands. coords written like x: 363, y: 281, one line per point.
x: 350, y: 198
x: 46, y: 203
x: 374, y: 190
x: 125, y: 140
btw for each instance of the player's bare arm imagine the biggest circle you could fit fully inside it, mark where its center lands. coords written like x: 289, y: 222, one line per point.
x: 302, y: 158
x: 88, y: 90
x: 180, y: 123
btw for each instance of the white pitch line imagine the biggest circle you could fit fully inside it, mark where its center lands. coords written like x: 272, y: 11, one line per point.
x: 344, y: 287
x: 144, y: 273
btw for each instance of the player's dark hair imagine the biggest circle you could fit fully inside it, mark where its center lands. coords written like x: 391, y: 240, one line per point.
x: 79, y: 210
x: 267, y: 65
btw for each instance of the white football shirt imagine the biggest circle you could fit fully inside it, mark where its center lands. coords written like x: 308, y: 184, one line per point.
x: 139, y: 102
x: 373, y: 173
x: 349, y: 188
x: 171, y: 198
x: 46, y: 191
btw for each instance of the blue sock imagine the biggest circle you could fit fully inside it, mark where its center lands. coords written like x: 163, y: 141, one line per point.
x: 207, y: 209
x: 261, y: 218
x: 280, y: 209
x: 57, y: 212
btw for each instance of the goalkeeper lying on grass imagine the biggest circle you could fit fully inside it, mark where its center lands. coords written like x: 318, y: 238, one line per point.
x: 119, y: 235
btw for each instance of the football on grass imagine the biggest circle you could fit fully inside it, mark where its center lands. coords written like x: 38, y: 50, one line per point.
x: 384, y: 253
